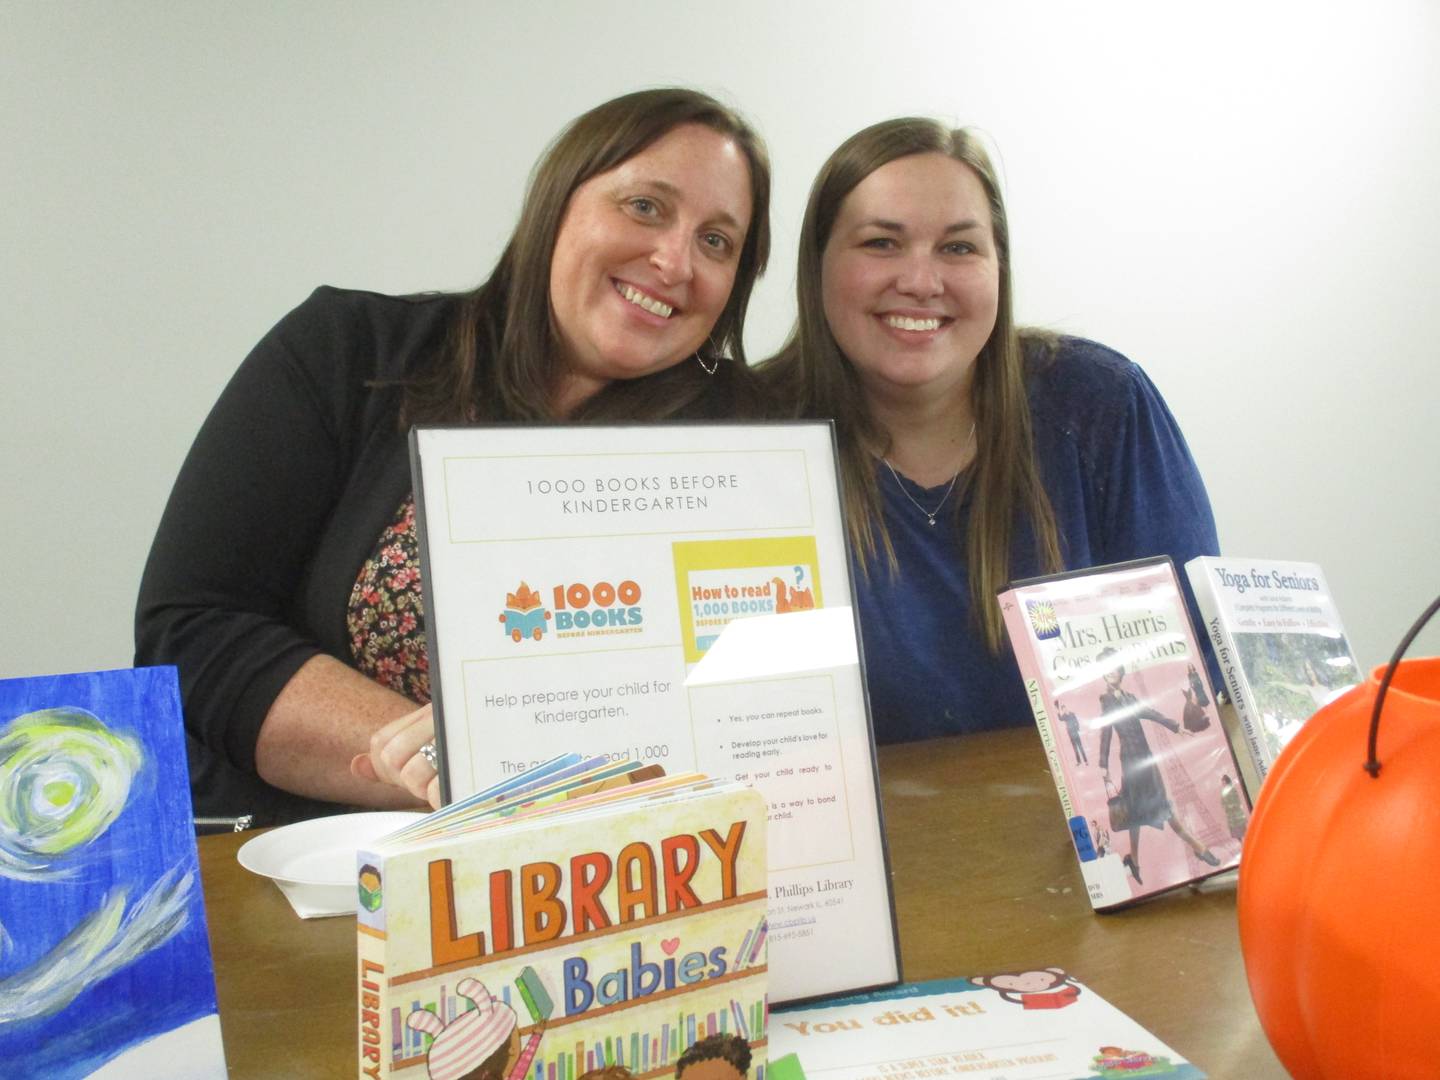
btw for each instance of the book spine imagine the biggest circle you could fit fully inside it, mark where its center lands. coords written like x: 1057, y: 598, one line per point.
x: 1223, y: 642
x: 1035, y: 690
x: 374, y: 1034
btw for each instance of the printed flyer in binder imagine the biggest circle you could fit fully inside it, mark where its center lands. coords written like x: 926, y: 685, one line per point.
x: 679, y: 594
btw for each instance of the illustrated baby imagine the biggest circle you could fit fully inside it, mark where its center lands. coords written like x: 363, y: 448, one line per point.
x: 480, y: 1044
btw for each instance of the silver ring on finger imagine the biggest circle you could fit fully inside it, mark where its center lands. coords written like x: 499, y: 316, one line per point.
x: 427, y: 751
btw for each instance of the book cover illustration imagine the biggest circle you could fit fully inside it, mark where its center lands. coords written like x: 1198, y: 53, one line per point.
x: 104, y: 956
x: 1146, y: 778
x: 719, y: 581
x: 581, y: 940
x: 1281, y: 646
x: 1039, y: 1024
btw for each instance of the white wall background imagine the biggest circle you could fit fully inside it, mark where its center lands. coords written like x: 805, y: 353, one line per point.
x: 1245, y: 198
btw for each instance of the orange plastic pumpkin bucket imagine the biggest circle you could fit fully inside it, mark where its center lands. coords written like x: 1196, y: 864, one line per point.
x: 1339, y: 894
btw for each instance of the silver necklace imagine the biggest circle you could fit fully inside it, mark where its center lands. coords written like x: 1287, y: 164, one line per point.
x: 714, y: 364
x: 930, y: 514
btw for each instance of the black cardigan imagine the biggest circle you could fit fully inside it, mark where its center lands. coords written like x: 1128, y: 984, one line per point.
x: 296, y: 471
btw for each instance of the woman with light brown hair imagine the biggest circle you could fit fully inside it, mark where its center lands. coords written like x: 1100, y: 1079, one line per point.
x: 972, y: 452
x: 284, y: 579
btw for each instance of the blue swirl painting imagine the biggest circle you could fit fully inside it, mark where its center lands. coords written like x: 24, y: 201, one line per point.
x: 104, y: 958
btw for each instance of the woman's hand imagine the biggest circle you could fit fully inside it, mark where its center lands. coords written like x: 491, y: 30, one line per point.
x: 394, y: 757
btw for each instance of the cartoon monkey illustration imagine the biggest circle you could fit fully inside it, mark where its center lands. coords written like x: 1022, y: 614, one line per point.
x: 1041, y: 988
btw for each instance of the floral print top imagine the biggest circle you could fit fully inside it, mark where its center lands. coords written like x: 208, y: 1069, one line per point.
x: 386, y: 614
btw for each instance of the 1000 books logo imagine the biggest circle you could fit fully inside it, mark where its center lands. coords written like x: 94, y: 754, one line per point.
x: 576, y: 610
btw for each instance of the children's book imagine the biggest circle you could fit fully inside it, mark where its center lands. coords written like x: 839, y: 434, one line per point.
x: 104, y: 956
x: 589, y: 918
x: 1020, y: 1025
x: 1145, y: 773
x: 1282, y: 649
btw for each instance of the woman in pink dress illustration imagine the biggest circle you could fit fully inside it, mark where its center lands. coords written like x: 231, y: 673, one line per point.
x: 1141, y: 784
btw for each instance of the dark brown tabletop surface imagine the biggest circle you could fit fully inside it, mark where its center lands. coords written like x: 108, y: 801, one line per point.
x: 985, y: 881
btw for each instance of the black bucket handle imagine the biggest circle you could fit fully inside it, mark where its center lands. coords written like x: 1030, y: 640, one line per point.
x: 1372, y: 765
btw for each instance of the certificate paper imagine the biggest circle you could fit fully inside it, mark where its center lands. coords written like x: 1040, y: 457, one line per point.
x: 1020, y: 1025
x: 577, y: 579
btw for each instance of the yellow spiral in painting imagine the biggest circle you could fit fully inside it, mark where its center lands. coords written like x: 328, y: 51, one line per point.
x: 64, y: 778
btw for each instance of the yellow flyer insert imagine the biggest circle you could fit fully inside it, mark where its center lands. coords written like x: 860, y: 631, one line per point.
x: 723, y: 580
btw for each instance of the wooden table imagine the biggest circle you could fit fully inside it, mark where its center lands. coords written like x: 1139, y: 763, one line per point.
x: 985, y: 881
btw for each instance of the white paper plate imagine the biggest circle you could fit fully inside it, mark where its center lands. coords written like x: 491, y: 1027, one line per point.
x: 313, y: 861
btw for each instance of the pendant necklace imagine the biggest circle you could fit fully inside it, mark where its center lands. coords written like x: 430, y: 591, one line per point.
x: 930, y: 514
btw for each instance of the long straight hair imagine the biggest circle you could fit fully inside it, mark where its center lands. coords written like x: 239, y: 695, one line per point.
x: 814, y: 375
x: 502, y: 358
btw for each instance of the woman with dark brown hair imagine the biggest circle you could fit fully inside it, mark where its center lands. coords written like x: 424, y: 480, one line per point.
x: 972, y: 452
x: 284, y: 581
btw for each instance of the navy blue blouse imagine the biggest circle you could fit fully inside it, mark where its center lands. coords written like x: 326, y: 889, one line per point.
x: 1123, y: 486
